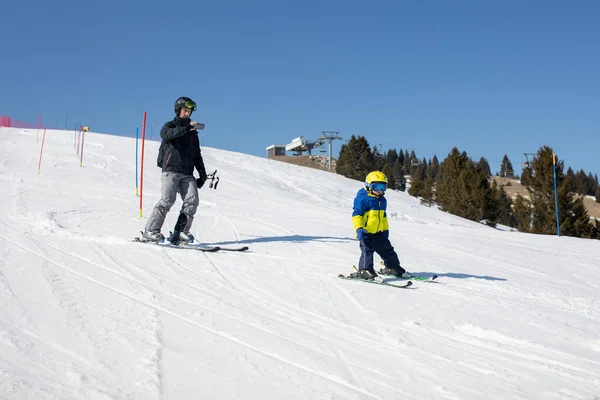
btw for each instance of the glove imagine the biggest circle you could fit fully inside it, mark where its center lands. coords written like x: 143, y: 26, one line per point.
x: 361, y: 233
x: 200, y: 181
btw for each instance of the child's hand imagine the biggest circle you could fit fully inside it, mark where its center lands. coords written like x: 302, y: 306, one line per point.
x: 361, y: 233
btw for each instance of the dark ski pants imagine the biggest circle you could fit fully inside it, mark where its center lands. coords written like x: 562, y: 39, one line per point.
x: 173, y: 183
x: 381, y: 245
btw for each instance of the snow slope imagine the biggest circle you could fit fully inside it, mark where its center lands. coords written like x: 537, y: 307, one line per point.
x: 87, y: 314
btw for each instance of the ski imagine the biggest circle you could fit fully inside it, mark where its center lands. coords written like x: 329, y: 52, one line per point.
x: 209, y: 249
x: 412, y: 278
x: 194, y: 243
x: 234, y: 248
x: 382, y: 282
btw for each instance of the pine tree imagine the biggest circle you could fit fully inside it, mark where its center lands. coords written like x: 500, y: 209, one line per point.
x: 579, y: 184
x: 506, y: 216
x: 389, y: 172
x: 447, y: 191
x: 542, y: 185
x: 418, y: 181
x: 391, y: 156
x: 356, y: 159
x: 590, y: 184
x: 500, y: 207
x: 399, y: 182
x: 572, y: 215
x: 462, y: 189
x: 407, y: 160
x: 597, y: 194
x: 432, y: 169
x: 484, y: 167
x: 402, y: 184
x: 522, y: 212
x: 380, y: 160
x: 413, y: 158
x: 506, y: 168
x: 401, y: 157
x: 577, y: 222
x: 526, y: 176
x: 571, y: 177
x: 413, y: 164
x: 427, y: 192
x: 477, y: 199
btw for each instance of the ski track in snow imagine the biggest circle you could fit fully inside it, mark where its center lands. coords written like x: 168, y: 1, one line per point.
x: 85, y: 313
x: 173, y: 314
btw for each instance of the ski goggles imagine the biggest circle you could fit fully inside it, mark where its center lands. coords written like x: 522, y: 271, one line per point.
x: 191, y: 105
x: 378, y: 186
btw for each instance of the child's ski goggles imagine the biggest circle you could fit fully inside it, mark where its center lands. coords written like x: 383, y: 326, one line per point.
x: 378, y: 187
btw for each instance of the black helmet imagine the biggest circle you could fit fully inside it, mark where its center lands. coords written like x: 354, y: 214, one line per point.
x: 184, y: 102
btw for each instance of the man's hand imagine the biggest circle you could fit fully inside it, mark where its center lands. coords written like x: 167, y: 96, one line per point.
x: 200, y: 181
x: 196, y: 126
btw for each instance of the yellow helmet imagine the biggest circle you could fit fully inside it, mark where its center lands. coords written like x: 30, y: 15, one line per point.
x: 376, y: 181
x: 375, y: 176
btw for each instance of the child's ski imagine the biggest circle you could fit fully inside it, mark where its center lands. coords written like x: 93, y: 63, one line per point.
x: 403, y: 285
x: 412, y: 278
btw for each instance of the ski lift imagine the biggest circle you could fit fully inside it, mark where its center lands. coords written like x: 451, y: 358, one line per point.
x: 527, y: 163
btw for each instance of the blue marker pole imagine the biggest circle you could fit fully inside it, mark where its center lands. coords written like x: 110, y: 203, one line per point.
x: 555, y: 194
x: 136, y: 158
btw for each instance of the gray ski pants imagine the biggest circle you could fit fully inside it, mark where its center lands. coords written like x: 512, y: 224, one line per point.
x: 173, y: 183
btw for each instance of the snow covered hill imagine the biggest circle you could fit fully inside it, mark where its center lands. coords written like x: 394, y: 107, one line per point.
x: 87, y: 314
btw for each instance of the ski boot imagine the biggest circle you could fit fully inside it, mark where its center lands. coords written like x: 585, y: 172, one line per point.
x: 175, y: 238
x: 186, y: 237
x: 398, y: 273
x: 152, y: 237
x: 367, y: 274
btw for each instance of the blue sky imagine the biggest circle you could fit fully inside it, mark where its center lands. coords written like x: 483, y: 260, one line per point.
x: 490, y: 78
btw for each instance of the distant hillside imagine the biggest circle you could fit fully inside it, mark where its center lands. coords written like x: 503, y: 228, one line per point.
x: 317, y: 162
x: 511, y: 186
x: 514, y: 187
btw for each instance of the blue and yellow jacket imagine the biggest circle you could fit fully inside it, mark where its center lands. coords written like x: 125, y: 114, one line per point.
x: 369, y: 212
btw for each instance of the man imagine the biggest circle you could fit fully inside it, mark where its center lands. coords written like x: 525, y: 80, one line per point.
x: 179, y: 153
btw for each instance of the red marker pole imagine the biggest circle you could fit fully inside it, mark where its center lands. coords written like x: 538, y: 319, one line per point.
x: 38, y: 128
x: 82, y: 142
x: 41, y: 150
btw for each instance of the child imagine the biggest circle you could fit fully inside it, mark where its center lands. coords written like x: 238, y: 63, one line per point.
x: 370, y: 222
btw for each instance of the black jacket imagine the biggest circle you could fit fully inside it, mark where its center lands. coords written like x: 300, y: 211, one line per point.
x: 180, y: 148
